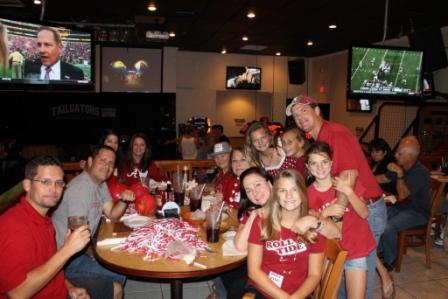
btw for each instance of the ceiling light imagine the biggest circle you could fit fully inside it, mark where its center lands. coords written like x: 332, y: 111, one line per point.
x: 332, y: 26
x: 278, y: 54
x: 310, y: 43
x: 250, y: 14
x: 223, y: 51
x: 152, y: 6
x: 245, y: 38
x: 172, y: 34
x: 37, y: 2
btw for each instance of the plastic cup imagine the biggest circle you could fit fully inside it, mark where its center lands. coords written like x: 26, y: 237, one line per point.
x: 73, y: 222
x: 195, y: 202
x: 179, y: 198
x: 212, y: 225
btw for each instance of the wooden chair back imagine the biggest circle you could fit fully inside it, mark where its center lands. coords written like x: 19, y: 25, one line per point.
x: 169, y: 167
x: 71, y: 169
x: 334, y: 260
x: 423, y: 234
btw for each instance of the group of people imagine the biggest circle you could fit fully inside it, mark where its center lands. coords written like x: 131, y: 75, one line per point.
x: 290, y: 195
x: 49, y: 66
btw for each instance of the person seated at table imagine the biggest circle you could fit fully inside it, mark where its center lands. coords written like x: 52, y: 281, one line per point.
x: 224, y: 182
x: 137, y: 162
x: 282, y: 264
x: 381, y: 156
x: 88, y: 195
x: 294, y: 144
x: 264, y: 152
x: 412, y: 182
x: 31, y: 266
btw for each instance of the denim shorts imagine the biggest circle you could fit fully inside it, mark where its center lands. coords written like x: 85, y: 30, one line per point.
x: 359, y: 263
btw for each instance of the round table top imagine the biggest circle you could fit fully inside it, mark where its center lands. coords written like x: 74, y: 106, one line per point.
x: 134, y: 265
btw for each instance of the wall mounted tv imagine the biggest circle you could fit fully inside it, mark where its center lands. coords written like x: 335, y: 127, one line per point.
x: 384, y: 72
x: 51, y: 58
x: 243, y: 77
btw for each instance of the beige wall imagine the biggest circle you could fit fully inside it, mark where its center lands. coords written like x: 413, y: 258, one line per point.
x: 196, y: 77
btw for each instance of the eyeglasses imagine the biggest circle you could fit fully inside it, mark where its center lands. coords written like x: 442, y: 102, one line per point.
x: 49, y: 183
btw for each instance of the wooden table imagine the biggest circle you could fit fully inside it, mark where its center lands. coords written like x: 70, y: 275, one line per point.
x: 175, y: 271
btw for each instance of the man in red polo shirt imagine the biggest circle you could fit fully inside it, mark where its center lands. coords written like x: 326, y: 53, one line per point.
x: 348, y: 160
x: 30, y: 264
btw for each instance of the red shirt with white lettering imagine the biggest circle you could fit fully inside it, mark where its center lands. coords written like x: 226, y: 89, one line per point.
x: 357, y: 237
x: 285, y: 260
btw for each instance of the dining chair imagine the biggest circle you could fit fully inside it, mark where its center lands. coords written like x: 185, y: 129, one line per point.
x: 334, y: 259
x: 71, y: 170
x: 421, y: 236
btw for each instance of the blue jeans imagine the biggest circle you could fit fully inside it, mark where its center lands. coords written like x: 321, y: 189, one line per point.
x: 377, y: 220
x: 398, y: 218
x: 82, y: 266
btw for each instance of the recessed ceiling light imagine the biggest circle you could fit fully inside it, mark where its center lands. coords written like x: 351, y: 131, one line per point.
x: 223, y: 51
x: 152, y: 6
x: 245, y: 38
x: 310, y: 43
x: 250, y: 14
x: 332, y: 26
x: 172, y: 34
x: 37, y: 2
x: 278, y: 54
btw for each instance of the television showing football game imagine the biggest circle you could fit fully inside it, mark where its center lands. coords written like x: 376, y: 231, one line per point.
x: 383, y: 72
x: 45, y: 56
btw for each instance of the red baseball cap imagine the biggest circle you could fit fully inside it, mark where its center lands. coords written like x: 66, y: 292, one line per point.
x: 304, y: 100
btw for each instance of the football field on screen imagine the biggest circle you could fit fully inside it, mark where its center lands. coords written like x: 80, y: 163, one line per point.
x: 403, y: 68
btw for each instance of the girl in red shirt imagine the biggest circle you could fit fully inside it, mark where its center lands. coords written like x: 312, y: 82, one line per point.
x: 357, y: 238
x: 137, y: 163
x: 280, y: 262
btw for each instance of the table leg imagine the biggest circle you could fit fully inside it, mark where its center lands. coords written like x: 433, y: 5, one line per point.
x: 176, y: 289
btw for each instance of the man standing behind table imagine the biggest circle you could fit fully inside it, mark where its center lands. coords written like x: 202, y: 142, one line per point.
x: 348, y: 160
x: 30, y: 264
x: 88, y: 195
x: 412, y: 180
x: 50, y: 67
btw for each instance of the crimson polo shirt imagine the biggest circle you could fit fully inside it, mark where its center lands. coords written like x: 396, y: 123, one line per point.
x: 347, y: 154
x: 27, y: 240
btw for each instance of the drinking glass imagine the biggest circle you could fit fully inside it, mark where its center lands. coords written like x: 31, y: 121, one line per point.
x: 73, y: 222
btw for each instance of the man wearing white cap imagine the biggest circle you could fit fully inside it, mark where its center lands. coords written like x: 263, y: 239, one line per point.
x: 348, y: 160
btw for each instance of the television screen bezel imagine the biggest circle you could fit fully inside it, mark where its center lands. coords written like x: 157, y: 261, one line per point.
x: 373, y: 96
x: 54, y: 84
x: 255, y: 87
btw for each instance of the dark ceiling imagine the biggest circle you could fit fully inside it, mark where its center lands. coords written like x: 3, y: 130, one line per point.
x: 210, y: 25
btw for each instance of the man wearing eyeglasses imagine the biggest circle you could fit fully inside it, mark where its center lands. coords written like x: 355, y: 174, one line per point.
x: 31, y: 266
x: 88, y: 195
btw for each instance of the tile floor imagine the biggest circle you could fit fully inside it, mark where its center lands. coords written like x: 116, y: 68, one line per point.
x: 413, y: 282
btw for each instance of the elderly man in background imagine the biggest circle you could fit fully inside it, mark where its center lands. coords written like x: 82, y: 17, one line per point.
x: 412, y: 181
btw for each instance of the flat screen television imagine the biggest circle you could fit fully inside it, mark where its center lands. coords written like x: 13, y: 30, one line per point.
x: 50, y: 58
x: 243, y: 77
x: 384, y: 72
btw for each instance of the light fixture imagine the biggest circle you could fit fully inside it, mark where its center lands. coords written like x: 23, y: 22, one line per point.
x: 172, y: 34
x: 224, y: 51
x: 152, y: 6
x: 250, y: 14
x: 309, y: 43
x: 245, y: 38
x: 278, y: 54
x: 332, y: 26
x: 37, y: 2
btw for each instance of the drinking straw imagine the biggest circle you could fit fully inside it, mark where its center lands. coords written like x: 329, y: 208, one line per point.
x: 202, y: 190
x: 219, y: 213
